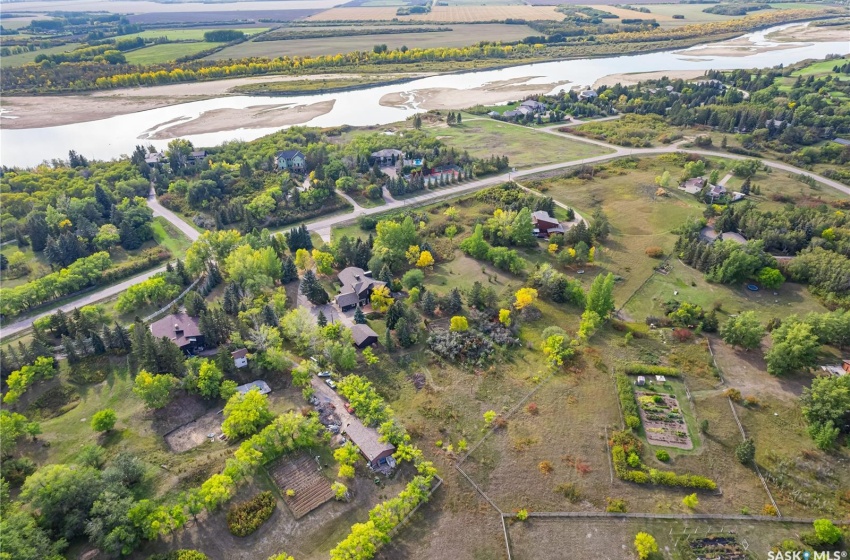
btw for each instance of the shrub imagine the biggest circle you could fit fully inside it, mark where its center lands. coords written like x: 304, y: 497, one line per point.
x: 682, y: 335
x: 569, y: 491
x: 662, y: 455
x: 532, y: 408
x: 645, y: 545
x: 616, y: 506
x: 690, y: 501
x: 627, y: 401
x: 733, y: 394
x: 654, y: 252
x: 103, y: 420
x: 246, y: 517
x: 522, y: 514
x: 545, y: 467
x: 770, y: 510
x: 647, y: 369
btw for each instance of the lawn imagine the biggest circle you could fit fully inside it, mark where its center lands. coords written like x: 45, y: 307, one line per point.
x: 24, y: 58
x: 483, y: 137
x: 166, y: 52
x: 170, y: 237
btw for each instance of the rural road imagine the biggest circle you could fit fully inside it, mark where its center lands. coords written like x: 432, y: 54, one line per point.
x: 323, y: 226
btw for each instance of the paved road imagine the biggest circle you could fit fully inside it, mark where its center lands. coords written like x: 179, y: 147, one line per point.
x: 179, y: 223
x: 323, y: 226
x: 109, y: 291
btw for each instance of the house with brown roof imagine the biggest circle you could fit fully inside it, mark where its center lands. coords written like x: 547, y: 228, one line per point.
x: 181, y: 329
x: 357, y: 287
x: 240, y: 357
x: 545, y: 225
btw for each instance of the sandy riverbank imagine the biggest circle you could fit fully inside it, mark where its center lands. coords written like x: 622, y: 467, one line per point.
x: 258, y: 116
x: 627, y: 79
x: 735, y: 47
x: 799, y: 33
x: 450, y: 98
x: 45, y: 111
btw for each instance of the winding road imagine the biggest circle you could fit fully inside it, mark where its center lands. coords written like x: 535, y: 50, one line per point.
x: 324, y: 226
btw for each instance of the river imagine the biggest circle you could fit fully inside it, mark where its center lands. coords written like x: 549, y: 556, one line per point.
x: 115, y: 136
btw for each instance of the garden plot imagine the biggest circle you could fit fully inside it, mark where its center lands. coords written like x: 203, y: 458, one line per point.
x: 663, y: 421
x: 195, y: 433
x: 300, y: 474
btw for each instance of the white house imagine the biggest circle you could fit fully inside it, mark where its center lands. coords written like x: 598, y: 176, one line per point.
x: 240, y: 357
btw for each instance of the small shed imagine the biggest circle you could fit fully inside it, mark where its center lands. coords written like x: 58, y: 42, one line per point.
x: 240, y: 357
x: 641, y: 380
x: 363, y: 336
x: 260, y: 385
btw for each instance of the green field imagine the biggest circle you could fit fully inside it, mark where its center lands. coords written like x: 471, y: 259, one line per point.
x: 24, y: 58
x: 460, y: 35
x: 483, y: 137
x: 192, y: 34
x: 165, y: 53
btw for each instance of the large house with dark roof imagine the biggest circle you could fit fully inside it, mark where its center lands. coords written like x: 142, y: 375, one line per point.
x: 291, y: 160
x: 182, y: 330
x: 357, y: 287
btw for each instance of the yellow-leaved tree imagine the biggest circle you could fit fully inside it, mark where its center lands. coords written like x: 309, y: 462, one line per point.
x: 525, y: 297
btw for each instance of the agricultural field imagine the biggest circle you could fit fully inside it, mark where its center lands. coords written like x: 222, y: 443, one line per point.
x: 191, y: 34
x: 459, y: 36
x: 443, y: 14
x: 24, y: 58
x: 482, y: 137
x: 165, y: 52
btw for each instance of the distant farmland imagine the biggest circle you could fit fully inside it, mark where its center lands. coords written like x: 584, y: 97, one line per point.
x: 442, y: 14
x: 240, y: 17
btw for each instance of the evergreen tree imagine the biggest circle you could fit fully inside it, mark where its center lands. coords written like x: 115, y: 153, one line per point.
x: 395, y: 313
x: 289, y: 271
x: 321, y: 319
x: 359, y: 316
x: 269, y: 316
x: 104, y: 200
x: 121, y: 338
x: 38, y: 229
x: 453, y: 304
x: 389, y: 343
x: 429, y: 303
x: 314, y: 291
x: 70, y: 350
x: 386, y: 276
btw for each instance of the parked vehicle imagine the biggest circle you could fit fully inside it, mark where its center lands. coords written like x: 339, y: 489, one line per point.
x: 324, y: 374
x: 330, y: 383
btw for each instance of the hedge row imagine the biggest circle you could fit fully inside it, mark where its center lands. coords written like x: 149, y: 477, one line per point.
x: 647, y: 369
x: 644, y: 475
x: 631, y: 413
x: 246, y: 517
x: 146, y: 259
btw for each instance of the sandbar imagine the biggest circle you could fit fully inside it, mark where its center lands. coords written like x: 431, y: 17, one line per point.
x: 627, y: 79
x: 451, y: 98
x: 257, y: 116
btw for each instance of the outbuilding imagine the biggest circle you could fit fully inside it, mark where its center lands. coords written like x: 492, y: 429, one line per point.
x: 240, y: 357
x: 363, y: 336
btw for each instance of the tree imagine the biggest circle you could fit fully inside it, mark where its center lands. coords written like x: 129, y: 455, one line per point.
x: 826, y: 532
x: 216, y: 490
x: 459, y: 324
x: 663, y: 180
x: 289, y: 271
x: 210, y: 377
x: 21, y: 538
x: 425, y: 260
x: 324, y: 262
x: 38, y: 229
x: 314, y: 291
x: 245, y: 414
x: 600, y: 297
x: 369, y: 356
x: 63, y: 495
x: 557, y: 349
x: 154, y: 390
x: 381, y: 299
x: 770, y: 278
x: 429, y: 303
x: 645, y: 545
x: 825, y: 406
x: 794, y: 348
x: 745, y: 451
x: 505, y: 317
x: 522, y: 229
x: 13, y: 427
x: 690, y: 501
x: 744, y: 331
x: 475, y: 246
x: 525, y: 297
x: 359, y: 316
x: 104, y: 420
x: 413, y: 278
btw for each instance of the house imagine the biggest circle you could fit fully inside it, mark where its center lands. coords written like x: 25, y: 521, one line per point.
x: 387, y: 157
x: 197, y: 157
x: 493, y: 114
x: 363, y: 336
x: 842, y: 141
x: 182, y: 330
x: 837, y: 370
x: 534, y: 106
x: 587, y: 95
x: 545, y: 225
x: 736, y: 196
x: 693, y: 186
x: 715, y: 192
x: 240, y: 357
x: 260, y: 385
x: 155, y: 158
x: 367, y: 439
x: 291, y: 160
x: 357, y: 286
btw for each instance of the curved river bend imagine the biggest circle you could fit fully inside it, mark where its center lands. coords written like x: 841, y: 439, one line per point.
x: 112, y: 137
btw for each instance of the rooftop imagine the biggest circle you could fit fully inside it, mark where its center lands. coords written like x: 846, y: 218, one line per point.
x: 262, y: 386
x: 180, y: 328
x: 361, y: 332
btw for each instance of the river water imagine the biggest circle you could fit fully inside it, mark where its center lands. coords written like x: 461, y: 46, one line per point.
x: 115, y: 136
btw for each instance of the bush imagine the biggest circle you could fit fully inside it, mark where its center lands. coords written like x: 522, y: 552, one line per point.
x: 569, y: 491
x: 616, y: 506
x: 545, y: 467
x: 647, y: 369
x: 246, y: 517
x: 627, y: 401
x: 682, y: 335
x: 522, y: 514
x: 654, y: 252
x: 662, y: 455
